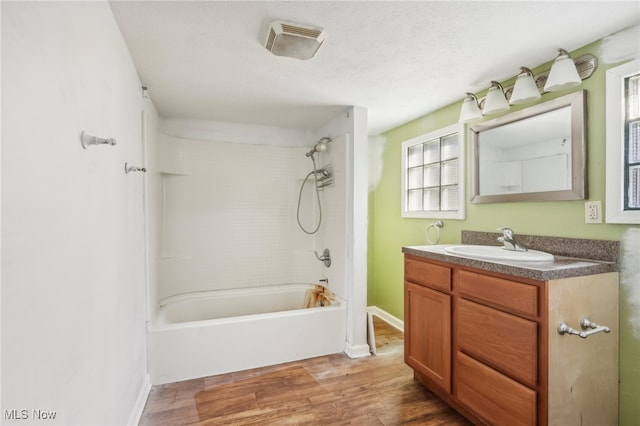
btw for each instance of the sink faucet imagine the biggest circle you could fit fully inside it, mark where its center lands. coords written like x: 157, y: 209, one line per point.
x: 509, y: 240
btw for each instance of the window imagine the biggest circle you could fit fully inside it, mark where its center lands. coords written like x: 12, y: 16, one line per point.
x: 433, y: 175
x: 632, y: 142
x: 623, y: 144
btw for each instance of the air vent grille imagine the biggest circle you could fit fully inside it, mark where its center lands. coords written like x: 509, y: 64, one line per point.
x: 306, y: 32
x: 294, y: 40
x: 271, y: 39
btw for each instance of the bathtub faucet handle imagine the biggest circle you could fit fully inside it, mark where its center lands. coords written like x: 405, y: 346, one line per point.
x: 326, y: 257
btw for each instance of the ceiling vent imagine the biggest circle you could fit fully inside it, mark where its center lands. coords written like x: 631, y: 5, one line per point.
x: 294, y: 40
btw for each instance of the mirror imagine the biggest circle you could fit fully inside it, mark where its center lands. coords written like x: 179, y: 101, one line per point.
x: 536, y: 154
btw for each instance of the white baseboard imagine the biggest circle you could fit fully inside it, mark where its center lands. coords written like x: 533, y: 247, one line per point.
x: 386, y: 317
x: 358, y: 351
x: 138, y: 408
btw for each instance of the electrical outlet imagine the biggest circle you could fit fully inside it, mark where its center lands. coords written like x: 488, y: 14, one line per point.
x: 593, y: 212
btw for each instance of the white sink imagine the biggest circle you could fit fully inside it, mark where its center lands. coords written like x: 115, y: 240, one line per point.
x: 499, y: 253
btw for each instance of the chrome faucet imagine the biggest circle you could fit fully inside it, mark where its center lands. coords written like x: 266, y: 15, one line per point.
x: 509, y: 240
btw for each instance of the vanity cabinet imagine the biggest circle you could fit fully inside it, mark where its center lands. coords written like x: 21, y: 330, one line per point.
x: 487, y: 344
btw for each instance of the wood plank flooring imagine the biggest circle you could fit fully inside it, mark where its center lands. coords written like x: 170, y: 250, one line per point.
x: 329, y: 390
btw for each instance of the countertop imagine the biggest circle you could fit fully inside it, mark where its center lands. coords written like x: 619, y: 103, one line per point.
x: 561, y: 267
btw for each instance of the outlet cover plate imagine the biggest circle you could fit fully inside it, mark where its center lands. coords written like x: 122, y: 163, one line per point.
x: 593, y: 212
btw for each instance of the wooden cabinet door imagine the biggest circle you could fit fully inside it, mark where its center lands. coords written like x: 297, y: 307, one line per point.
x: 428, y: 333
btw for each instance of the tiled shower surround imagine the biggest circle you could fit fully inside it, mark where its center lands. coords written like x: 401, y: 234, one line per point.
x: 228, y: 216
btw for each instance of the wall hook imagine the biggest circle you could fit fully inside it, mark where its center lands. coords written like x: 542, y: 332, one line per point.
x: 88, y: 140
x: 128, y: 168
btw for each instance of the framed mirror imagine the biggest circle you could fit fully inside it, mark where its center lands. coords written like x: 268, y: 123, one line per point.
x: 535, y: 154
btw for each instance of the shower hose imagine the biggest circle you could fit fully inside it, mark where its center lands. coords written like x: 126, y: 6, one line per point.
x: 314, y: 172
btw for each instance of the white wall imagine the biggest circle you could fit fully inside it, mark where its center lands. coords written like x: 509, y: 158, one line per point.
x: 73, y: 296
x: 153, y: 199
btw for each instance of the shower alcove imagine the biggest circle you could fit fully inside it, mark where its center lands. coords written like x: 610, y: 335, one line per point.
x: 221, y: 208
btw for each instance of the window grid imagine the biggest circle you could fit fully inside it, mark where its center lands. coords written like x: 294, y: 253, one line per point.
x: 432, y: 175
x: 632, y: 143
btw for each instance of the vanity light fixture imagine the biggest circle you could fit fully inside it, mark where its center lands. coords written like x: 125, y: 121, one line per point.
x: 563, y: 73
x: 496, y: 100
x: 525, y: 90
x: 470, y: 109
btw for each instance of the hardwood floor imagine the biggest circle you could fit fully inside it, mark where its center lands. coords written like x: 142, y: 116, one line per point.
x: 329, y: 390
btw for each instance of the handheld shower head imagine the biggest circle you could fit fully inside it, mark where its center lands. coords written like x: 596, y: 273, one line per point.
x: 319, y: 147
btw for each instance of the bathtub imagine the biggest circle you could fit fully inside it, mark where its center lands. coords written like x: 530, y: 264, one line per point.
x: 207, y: 333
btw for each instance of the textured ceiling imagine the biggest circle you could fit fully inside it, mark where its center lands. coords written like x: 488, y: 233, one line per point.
x: 400, y: 60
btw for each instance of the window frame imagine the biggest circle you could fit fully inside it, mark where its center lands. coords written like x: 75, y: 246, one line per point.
x: 433, y: 214
x: 616, y: 145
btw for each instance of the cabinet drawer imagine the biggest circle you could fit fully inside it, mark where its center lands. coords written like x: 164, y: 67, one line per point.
x: 428, y: 274
x: 513, y: 296
x: 503, y: 341
x: 495, y: 397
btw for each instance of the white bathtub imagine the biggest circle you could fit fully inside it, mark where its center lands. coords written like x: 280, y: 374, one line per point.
x: 208, y: 333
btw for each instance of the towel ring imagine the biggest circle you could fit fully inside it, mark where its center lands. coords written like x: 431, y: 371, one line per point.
x: 435, y: 226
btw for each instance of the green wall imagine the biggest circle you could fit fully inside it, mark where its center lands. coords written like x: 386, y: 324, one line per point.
x: 388, y: 231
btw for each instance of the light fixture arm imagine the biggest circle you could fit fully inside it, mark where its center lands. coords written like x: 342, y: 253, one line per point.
x: 497, y: 83
x: 474, y: 97
x: 525, y: 70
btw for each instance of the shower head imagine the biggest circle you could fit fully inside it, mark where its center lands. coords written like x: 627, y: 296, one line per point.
x: 319, y: 147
